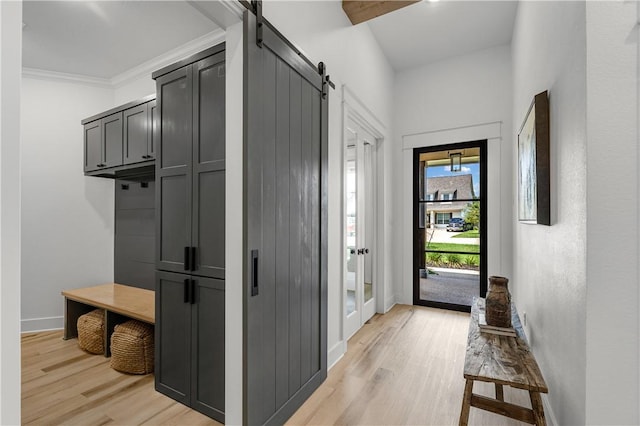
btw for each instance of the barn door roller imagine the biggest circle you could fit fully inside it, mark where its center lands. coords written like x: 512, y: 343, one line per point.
x: 256, y: 8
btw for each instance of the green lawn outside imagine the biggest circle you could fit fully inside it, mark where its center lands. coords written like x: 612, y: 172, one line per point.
x: 474, y: 233
x: 471, y: 248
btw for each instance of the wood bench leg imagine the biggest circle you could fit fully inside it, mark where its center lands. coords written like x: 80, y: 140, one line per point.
x: 466, y: 403
x: 499, y: 393
x: 538, y: 410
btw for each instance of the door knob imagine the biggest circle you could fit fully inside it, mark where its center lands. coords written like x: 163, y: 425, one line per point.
x: 352, y: 251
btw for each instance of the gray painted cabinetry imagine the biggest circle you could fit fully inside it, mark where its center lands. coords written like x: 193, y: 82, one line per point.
x: 103, y: 143
x: 121, y: 139
x: 190, y: 232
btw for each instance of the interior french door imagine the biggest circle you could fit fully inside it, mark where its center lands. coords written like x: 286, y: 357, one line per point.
x: 359, y: 219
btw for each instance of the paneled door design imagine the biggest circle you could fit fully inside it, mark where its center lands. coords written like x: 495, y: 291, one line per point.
x: 285, y: 157
x: 359, y: 219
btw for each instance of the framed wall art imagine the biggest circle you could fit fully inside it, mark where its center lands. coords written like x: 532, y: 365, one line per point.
x: 534, y: 203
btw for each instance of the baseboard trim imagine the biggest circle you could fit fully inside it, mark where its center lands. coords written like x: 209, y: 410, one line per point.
x: 41, y: 324
x: 389, y: 303
x: 548, y: 411
x: 335, y: 354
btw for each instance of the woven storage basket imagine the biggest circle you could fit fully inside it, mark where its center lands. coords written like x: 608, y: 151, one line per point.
x: 91, y: 331
x: 132, y: 348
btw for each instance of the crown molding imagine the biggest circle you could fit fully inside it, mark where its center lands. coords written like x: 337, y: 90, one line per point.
x: 143, y: 70
x: 66, y: 77
x: 174, y: 55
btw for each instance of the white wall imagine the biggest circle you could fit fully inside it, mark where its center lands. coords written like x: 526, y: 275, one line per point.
x: 612, y: 159
x: 10, y: 64
x: 353, y: 58
x: 234, y: 251
x: 67, y: 218
x: 550, y: 281
x: 457, y: 100
x: 135, y: 89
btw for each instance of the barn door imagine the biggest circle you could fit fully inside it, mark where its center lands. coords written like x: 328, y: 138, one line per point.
x: 285, y: 157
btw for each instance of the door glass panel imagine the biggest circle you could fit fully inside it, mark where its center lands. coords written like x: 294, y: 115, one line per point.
x: 351, y: 229
x: 448, y: 233
x: 368, y: 222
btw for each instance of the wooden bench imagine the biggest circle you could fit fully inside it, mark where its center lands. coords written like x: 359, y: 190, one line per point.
x: 504, y: 361
x: 119, y: 302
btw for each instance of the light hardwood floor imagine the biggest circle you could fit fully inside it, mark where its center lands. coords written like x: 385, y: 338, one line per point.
x: 404, y: 367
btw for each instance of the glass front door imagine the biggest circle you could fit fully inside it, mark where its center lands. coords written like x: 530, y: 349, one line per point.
x: 450, y: 225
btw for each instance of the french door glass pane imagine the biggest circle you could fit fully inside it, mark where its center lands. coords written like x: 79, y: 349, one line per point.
x: 351, y: 210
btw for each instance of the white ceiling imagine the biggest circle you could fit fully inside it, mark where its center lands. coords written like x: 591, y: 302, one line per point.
x: 428, y: 32
x: 105, y: 38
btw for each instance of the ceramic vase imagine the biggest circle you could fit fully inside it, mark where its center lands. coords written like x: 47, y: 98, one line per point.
x: 498, y: 303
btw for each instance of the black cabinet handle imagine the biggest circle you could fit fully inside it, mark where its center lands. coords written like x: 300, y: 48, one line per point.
x: 254, y: 272
x: 366, y: 251
x: 193, y: 259
x: 187, y: 264
x: 193, y: 292
x: 360, y: 251
x: 352, y: 251
x: 101, y: 165
x: 187, y: 291
x: 146, y: 156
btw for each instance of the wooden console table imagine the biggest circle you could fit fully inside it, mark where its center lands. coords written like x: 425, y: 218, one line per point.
x: 119, y: 302
x: 504, y: 361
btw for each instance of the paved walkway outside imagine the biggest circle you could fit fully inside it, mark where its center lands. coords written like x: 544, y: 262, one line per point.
x: 442, y: 236
x: 450, y: 286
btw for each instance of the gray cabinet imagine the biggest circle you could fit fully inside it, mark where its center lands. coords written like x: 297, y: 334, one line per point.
x: 190, y: 169
x: 119, y: 142
x: 139, y: 128
x: 190, y: 341
x: 103, y: 143
x: 190, y: 231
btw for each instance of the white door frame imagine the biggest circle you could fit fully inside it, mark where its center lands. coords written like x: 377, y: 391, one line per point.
x: 354, y: 109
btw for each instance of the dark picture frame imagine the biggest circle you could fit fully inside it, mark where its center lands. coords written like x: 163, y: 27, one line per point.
x: 534, y: 186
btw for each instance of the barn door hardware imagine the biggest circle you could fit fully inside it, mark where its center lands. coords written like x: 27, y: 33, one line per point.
x: 257, y: 9
x: 326, y: 80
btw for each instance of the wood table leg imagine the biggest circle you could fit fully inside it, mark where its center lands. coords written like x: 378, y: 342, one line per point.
x: 466, y: 403
x: 538, y: 409
x: 499, y: 393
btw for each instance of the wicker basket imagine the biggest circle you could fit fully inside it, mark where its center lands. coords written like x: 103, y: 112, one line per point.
x: 91, y: 331
x: 132, y: 348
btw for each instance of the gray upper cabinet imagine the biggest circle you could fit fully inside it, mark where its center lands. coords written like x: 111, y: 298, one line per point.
x: 120, y: 140
x: 190, y: 169
x: 103, y: 143
x: 137, y: 131
x: 92, y: 146
x: 112, y: 140
x: 153, y: 134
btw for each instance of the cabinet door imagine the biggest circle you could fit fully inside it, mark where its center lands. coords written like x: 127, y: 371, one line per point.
x: 152, y: 135
x: 173, y: 171
x: 112, y: 140
x: 173, y: 336
x: 136, y: 130
x: 92, y: 146
x: 207, y: 359
x: 208, y: 228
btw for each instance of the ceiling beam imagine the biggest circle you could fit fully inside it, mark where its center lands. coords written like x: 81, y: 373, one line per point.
x: 360, y: 11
